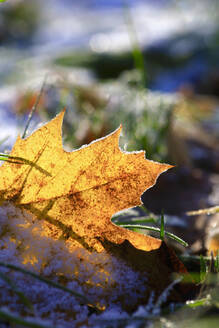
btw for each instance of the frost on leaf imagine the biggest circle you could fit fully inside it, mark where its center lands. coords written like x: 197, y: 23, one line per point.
x: 72, y: 196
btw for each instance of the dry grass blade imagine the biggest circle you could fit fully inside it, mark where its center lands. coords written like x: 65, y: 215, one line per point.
x: 34, y: 108
x: 208, y: 211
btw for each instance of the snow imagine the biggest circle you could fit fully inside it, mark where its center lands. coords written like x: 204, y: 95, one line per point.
x: 102, y: 278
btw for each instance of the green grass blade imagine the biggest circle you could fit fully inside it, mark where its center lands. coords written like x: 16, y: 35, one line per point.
x: 48, y: 282
x: 162, y: 231
x: 203, y: 268
x: 197, y: 303
x: 168, y: 234
x: 4, y: 157
x: 216, y: 262
x: 134, y: 220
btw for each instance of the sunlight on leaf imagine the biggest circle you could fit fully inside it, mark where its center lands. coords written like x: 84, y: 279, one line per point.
x: 73, y: 196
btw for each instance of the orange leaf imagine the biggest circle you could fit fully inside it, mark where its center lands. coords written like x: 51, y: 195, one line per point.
x: 74, y: 194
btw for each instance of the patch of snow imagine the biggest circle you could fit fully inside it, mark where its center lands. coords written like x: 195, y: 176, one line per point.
x: 102, y: 278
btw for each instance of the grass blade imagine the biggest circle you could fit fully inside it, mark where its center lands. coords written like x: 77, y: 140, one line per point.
x: 197, y: 303
x: 21, y: 295
x: 134, y: 220
x: 49, y: 282
x: 216, y: 262
x: 162, y: 231
x: 34, y: 108
x: 203, y: 268
x: 14, y: 319
x: 208, y: 211
x: 168, y: 234
x: 4, y: 157
x: 136, y: 49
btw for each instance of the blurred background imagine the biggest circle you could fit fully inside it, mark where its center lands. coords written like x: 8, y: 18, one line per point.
x: 151, y: 65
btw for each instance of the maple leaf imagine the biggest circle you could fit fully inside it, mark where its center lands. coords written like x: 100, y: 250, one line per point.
x: 76, y: 193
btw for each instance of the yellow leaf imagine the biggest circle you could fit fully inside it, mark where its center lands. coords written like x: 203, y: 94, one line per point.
x: 75, y: 194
